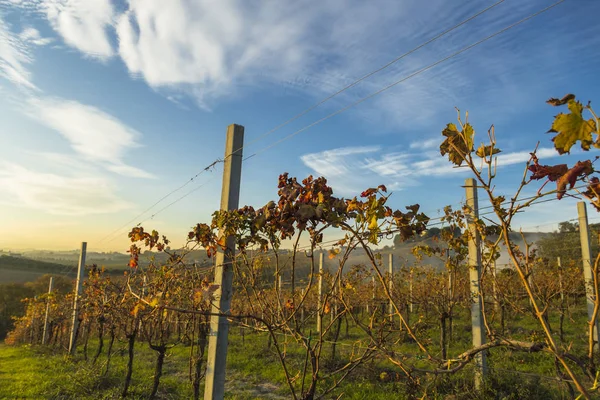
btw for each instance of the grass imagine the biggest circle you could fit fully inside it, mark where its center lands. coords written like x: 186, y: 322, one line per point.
x: 254, y: 371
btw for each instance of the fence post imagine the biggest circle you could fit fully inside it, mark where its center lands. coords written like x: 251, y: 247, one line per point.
x: 50, y: 288
x: 475, y: 281
x: 320, y: 295
x: 588, y: 273
x: 219, y: 325
x: 76, y: 300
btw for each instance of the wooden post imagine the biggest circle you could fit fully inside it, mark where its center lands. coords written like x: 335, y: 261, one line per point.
x: 320, y: 295
x: 46, y: 322
x: 475, y: 281
x: 588, y: 273
x: 214, y: 388
x: 76, y: 300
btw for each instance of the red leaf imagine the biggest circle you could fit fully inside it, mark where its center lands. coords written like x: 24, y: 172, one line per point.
x: 570, y: 178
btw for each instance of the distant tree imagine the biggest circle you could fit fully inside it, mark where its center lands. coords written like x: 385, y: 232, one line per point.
x: 567, y: 226
x: 397, y: 241
x: 565, y: 243
x: 433, y: 232
x: 456, y: 230
x: 11, y: 305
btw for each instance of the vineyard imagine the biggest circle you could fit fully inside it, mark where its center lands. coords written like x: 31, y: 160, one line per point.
x: 288, y: 307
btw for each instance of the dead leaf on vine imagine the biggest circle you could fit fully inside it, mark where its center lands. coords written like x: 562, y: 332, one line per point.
x: 570, y: 178
x: 486, y: 151
x: 560, y: 102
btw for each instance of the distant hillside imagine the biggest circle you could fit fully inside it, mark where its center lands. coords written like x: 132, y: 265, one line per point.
x: 404, y: 255
x: 21, y: 269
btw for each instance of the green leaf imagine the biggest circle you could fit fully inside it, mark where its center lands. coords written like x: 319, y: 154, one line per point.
x: 486, y: 151
x: 572, y: 128
x: 457, y: 144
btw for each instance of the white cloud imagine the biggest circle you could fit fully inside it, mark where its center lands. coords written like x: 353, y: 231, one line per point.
x: 75, y: 194
x: 82, y: 24
x: 92, y: 133
x: 426, y: 144
x: 32, y: 35
x: 351, y: 168
x: 211, y: 50
x: 14, y: 56
x: 333, y: 162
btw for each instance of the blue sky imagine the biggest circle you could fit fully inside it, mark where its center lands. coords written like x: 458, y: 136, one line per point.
x: 107, y: 106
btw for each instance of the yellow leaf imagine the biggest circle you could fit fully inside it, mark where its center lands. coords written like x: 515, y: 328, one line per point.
x: 154, y: 302
x: 333, y: 253
x: 373, y: 225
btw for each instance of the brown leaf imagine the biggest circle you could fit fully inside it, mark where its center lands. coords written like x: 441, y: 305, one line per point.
x: 560, y: 102
x: 570, y: 178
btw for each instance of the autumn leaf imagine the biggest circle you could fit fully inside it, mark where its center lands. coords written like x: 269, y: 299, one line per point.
x: 136, y: 309
x: 289, y: 304
x: 374, y: 223
x: 485, y: 151
x: 321, y: 197
x: 457, y: 144
x: 593, y: 191
x: 333, y: 253
x: 352, y: 205
x: 326, y: 308
x: 306, y: 211
x: 570, y: 178
x: 572, y: 128
x: 552, y: 172
x: 560, y: 102
x: 368, y: 192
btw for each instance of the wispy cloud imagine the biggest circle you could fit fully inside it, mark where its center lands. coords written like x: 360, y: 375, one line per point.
x: 83, y: 24
x: 350, y: 169
x: 208, y: 49
x: 92, y: 133
x: 32, y: 35
x: 334, y: 162
x: 425, y: 144
x: 14, y: 57
x: 74, y: 194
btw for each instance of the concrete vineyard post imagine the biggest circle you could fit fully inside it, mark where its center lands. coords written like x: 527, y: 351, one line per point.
x: 46, y: 322
x: 219, y: 325
x: 588, y: 273
x: 475, y: 281
x: 77, y: 299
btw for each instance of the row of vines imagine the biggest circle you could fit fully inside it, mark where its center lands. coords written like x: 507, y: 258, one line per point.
x: 324, y: 327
